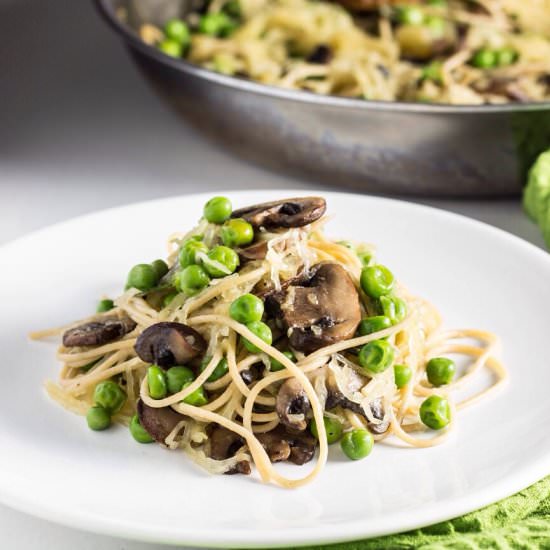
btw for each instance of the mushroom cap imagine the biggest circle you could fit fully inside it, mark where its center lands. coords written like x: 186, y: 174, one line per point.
x: 224, y: 444
x: 168, y: 344
x: 318, y: 309
x: 158, y: 422
x: 96, y: 333
x: 292, y: 405
x: 281, y: 444
x: 295, y: 212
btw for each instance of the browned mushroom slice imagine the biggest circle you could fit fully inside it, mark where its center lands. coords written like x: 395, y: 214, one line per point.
x: 256, y: 251
x: 286, y: 213
x: 319, y: 309
x: 282, y: 445
x: 158, y: 422
x: 96, y: 333
x: 169, y: 344
x: 275, y: 445
x: 293, y: 405
x: 224, y: 444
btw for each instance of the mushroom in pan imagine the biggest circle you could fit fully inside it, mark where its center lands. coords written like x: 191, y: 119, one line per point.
x: 292, y: 405
x: 281, y: 445
x: 318, y: 309
x: 285, y: 213
x: 96, y: 333
x: 224, y: 444
x: 158, y: 422
x: 169, y: 344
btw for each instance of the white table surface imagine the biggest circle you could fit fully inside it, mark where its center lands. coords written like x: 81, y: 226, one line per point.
x: 80, y: 131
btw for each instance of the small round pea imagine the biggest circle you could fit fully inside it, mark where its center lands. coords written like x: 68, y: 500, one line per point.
x: 433, y: 72
x: 142, y: 277
x: 436, y: 24
x: 198, y: 398
x: 225, y: 256
x: 484, y: 59
x: 217, y: 209
x: 376, y: 356
x: 221, y: 369
x: 189, y: 250
x: 156, y: 380
x: 262, y: 331
x: 357, y: 444
x: 98, y: 418
x: 246, y: 309
x: 376, y: 281
x: 170, y: 48
x: 110, y: 396
x: 410, y: 15
x: 105, y: 305
x: 435, y: 412
x: 192, y: 280
x: 178, y: 31
x: 177, y: 378
x: 370, y: 325
x: 167, y: 300
x: 138, y: 431
x: 394, y: 308
x: 333, y: 428
x: 236, y: 232
x: 160, y: 268
x: 506, y: 56
x: 402, y: 375
x: 216, y: 24
x: 440, y: 371
x: 276, y: 365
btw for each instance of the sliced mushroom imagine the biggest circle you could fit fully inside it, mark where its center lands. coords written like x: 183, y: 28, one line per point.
x: 286, y: 213
x: 169, y: 344
x: 293, y: 405
x: 225, y: 444
x: 281, y: 445
x: 322, y: 54
x: 96, y: 333
x: 319, y: 309
x: 256, y: 251
x: 158, y: 423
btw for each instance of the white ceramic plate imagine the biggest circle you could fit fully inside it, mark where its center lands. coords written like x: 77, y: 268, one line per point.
x: 53, y: 466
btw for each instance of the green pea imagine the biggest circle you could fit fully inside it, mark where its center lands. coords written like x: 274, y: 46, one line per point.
x: 506, y: 56
x: 436, y: 24
x: 410, y: 15
x: 160, y: 268
x: 484, y: 59
x: 110, y: 396
x: 216, y: 24
x: 192, y: 280
x: 276, y: 365
x: 219, y: 371
x: 167, y: 300
x: 189, y: 250
x: 357, y: 444
x: 156, y: 380
x: 217, y: 209
x: 440, y: 371
x: 433, y: 72
x: 198, y: 398
x: 89, y: 366
x: 105, y: 305
x: 402, y: 375
x: 376, y: 281
x: 246, y: 309
x: 333, y: 428
x: 226, y: 257
x: 177, y: 378
x: 178, y: 31
x: 237, y: 232
x: 370, y: 325
x: 435, y: 412
x: 394, y: 308
x: 138, y: 431
x: 376, y: 356
x: 98, y: 418
x: 170, y: 48
x: 142, y: 277
x: 262, y: 331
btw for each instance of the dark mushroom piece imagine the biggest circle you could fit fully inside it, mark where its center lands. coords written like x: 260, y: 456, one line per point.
x: 322, y: 55
x: 292, y: 405
x: 169, y: 344
x: 224, y: 444
x: 256, y: 251
x: 96, y: 333
x: 158, y: 422
x: 281, y: 445
x: 285, y: 213
x: 319, y: 309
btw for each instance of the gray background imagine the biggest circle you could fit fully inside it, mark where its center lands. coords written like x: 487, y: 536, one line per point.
x: 80, y: 131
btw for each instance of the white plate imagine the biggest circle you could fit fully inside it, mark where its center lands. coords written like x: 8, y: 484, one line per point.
x: 53, y: 466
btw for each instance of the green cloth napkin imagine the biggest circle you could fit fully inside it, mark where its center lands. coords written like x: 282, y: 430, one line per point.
x: 521, y: 522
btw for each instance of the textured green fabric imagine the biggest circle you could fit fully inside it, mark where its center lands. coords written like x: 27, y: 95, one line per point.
x: 520, y: 522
